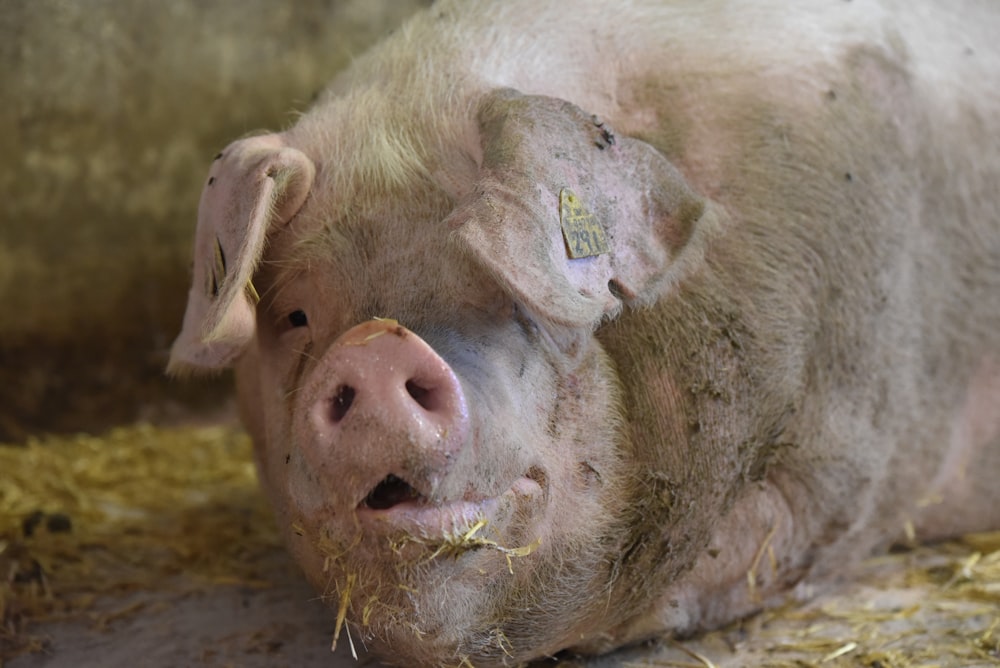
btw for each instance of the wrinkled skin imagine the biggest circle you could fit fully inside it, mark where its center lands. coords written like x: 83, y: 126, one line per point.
x: 482, y: 449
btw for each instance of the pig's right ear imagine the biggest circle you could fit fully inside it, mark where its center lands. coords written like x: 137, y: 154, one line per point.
x: 573, y: 220
x: 253, y: 184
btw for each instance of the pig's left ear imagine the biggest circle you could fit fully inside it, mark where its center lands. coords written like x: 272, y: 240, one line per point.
x: 253, y: 184
x: 572, y: 219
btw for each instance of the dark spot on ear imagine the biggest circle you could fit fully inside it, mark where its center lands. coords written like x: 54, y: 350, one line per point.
x: 218, y: 156
x: 607, y: 136
x: 848, y: 176
x: 218, y: 269
x: 831, y: 95
x: 211, y: 180
x: 222, y: 255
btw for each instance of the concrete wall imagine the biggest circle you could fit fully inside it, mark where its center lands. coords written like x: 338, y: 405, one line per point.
x: 111, y: 112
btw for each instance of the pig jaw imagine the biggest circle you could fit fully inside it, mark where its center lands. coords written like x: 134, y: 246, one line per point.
x: 509, y: 569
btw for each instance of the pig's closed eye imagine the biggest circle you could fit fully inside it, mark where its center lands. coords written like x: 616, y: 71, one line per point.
x: 298, y: 318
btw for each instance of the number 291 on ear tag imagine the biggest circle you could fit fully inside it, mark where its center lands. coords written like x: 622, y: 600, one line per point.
x: 583, y: 234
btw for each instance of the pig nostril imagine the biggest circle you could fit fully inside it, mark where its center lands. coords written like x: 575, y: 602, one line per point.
x: 423, y: 396
x: 390, y: 492
x: 342, y: 402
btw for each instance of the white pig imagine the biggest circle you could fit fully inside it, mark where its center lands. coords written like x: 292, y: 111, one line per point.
x: 563, y: 325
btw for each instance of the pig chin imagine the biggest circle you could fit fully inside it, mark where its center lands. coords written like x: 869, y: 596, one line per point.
x: 457, y: 579
x: 491, y: 577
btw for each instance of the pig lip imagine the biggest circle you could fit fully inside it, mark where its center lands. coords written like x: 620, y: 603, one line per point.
x: 420, y: 517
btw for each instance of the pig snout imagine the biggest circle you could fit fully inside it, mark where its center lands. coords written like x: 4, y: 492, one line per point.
x: 387, y: 417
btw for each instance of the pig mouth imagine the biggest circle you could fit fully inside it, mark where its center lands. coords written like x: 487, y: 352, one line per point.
x: 395, y: 502
x: 391, y: 492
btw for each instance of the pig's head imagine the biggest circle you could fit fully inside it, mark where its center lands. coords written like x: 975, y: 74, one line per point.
x: 438, y: 427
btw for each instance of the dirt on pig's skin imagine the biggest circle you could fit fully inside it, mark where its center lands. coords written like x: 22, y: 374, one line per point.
x: 787, y: 358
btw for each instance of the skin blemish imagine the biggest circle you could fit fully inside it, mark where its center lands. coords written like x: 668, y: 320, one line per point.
x: 607, y: 136
x: 589, y: 472
x: 220, y: 258
x: 619, y: 291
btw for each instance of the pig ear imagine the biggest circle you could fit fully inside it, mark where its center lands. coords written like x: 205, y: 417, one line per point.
x: 572, y: 219
x: 253, y: 184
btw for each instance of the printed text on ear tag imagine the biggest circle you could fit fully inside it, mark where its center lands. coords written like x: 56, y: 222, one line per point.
x: 583, y: 234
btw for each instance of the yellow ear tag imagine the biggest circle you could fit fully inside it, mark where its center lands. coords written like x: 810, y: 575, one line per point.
x: 583, y: 234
